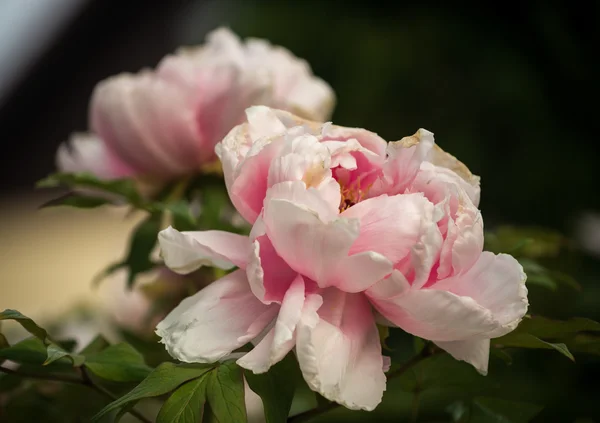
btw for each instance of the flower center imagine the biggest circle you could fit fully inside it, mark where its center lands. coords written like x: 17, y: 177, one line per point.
x: 351, y: 195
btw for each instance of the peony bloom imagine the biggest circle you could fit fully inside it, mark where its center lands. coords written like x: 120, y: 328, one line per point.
x: 162, y: 123
x: 347, y: 230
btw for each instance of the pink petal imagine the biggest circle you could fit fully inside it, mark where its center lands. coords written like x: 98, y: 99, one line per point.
x: 339, y: 351
x: 211, y: 324
x: 185, y: 252
x: 403, y: 162
x: 474, y: 351
x: 390, y: 225
x: 309, y: 245
x: 149, y: 123
x: 268, y: 274
x: 496, y: 282
x: 436, y: 315
x: 282, y: 338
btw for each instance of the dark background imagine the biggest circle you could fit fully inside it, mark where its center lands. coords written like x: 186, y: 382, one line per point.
x: 510, y: 89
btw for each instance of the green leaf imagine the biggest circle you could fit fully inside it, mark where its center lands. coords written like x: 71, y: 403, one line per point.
x: 122, y: 187
x: 186, y: 404
x: 181, y: 215
x: 28, y: 324
x: 118, y: 363
x: 276, y: 388
x: 162, y: 380
x: 225, y: 394
x: 556, y: 329
x: 525, y: 340
x: 77, y: 200
x: 3, y: 342
x: 97, y: 345
x: 142, y: 243
x: 9, y: 382
x: 494, y: 410
x: 54, y: 351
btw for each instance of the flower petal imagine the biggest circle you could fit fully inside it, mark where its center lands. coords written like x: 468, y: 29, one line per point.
x: 474, y: 351
x: 339, y: 351
x: 309, y: 245
x: 390, y: 225
x: 185, y: 252
x: 436, y: 315
x: 268, y: 274
x: 211, y: 324
x: 403, y: 162
x: 496, y: 282
x: 282, y: 338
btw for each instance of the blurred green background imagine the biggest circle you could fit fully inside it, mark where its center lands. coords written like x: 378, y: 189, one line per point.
x: 510, y: 89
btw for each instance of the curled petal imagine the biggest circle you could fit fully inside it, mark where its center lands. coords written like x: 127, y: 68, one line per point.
x: 339, y: 351
x: 185, y: 252
x: 211, y: 324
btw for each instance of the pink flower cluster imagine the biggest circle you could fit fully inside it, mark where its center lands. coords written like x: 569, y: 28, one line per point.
x: 163, y: 123
x: 347, y: 231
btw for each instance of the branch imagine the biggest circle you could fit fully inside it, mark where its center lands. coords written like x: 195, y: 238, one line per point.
x: 85, y: 380
x: 308, y: 415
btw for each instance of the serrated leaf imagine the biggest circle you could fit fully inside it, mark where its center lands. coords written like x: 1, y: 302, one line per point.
x: 186, y: 404
x: 276, y: 388
x: 77, y: 200
x: 525, y: 340
x: 495, y: 410
x: 162, y: 380
x: 122, y: 187
x: 118, y: 363
x: 225, y: 393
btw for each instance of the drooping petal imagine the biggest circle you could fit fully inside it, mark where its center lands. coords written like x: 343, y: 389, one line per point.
x: 496, y: 282
x: 268, y: 274
x: 282, y: 337
x: 185, y: 252
x: 211, y: 324
x: 339, y: 351
x: 474, y: 351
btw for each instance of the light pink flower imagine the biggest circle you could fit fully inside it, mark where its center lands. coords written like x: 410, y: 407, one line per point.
x: 162, y: 123
x: 347, y: 229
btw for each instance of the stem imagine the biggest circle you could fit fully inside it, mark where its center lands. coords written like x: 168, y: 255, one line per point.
x: 308, y: 415
x: 85, y: 380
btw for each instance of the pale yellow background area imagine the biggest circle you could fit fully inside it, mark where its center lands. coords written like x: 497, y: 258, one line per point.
x: 49, y: 257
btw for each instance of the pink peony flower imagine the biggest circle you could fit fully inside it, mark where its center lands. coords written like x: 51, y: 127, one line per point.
x: 163, y: 123
x: 347, y: 230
